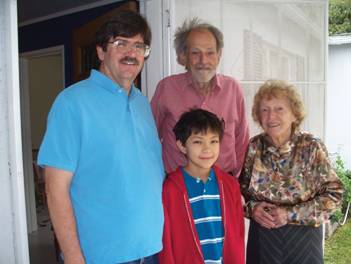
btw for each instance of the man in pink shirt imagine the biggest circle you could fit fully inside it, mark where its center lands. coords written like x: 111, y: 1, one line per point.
x: 199, y: 48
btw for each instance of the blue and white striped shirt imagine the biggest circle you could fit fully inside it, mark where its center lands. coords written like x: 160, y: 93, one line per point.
x: 206, y: 210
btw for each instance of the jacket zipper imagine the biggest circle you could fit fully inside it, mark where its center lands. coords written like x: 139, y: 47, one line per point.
x: 223, y: 220
x: 191, y: 227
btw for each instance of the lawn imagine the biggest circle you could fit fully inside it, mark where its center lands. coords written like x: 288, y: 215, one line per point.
x: 338, y: 247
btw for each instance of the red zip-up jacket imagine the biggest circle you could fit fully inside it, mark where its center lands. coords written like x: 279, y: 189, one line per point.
x: 181, y: 244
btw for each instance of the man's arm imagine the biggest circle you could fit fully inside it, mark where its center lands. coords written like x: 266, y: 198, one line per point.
x: 241, y: 136
x: 61, y: 212
x: 156, y: 107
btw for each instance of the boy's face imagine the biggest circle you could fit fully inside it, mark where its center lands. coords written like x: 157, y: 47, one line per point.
x: 201, y: 150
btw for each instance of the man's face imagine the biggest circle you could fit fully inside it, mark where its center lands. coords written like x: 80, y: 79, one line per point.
x: 122, y: 65
x: 202, y: 57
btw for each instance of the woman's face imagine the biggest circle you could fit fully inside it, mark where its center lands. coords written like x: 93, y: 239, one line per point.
x: 276, y: 118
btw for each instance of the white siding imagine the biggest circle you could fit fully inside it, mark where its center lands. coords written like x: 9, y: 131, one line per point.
x: 338, y: 128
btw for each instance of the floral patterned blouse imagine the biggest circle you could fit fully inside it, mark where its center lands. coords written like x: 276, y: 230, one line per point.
x: 298, y: 175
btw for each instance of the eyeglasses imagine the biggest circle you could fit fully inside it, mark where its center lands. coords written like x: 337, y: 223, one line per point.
x: 124, y: 46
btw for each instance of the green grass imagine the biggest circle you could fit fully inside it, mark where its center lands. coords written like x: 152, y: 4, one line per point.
x: 338, y: 246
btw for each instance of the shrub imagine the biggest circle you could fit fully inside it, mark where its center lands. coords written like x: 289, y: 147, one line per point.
x: 339, y: 17
x: 345, y: 177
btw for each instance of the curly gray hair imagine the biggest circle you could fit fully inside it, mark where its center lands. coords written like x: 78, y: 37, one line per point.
x: 182, y: 33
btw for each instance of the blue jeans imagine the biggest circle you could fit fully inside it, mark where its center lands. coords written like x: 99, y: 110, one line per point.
x: 153, y: 259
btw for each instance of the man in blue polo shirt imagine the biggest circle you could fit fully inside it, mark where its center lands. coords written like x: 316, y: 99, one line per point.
x: 102, y: 158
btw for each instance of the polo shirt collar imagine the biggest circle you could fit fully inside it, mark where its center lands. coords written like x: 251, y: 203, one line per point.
x: 105, y: 82
x: 191, y: 180
x: 215, y: 81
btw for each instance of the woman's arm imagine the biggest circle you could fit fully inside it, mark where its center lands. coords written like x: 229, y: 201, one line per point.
x: 257, y: 210
x: 327, y: 196
x: 244, y: 179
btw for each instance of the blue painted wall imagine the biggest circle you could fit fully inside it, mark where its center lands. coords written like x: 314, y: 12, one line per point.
x: 58, y: 31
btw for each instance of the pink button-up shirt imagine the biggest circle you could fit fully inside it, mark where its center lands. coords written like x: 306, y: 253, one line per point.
x: 176, y: 94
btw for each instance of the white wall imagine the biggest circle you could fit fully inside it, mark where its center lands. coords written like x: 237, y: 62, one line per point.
x: 338, y: 130
x: 157, y: 66
x: 13, y: 238
x: 262, y: 40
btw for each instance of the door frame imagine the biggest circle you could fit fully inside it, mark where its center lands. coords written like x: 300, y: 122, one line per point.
x: 26, y: 128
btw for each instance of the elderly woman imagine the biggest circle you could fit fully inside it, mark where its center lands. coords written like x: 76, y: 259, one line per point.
x: 288, y: 183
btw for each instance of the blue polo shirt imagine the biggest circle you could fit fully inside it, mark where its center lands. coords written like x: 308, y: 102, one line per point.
x: 109, y: 141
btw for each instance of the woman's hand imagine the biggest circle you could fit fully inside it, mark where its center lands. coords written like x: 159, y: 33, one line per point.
x: 261, y: 213
x: 280, y: 216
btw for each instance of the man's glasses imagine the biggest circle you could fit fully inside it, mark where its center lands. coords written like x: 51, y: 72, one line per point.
x: 124, y: 46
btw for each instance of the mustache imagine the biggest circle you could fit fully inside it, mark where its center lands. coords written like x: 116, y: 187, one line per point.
x: 204, y: 67
x: 129, y: 60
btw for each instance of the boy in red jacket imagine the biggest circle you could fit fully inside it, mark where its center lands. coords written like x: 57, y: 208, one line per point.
x: 204, y: 220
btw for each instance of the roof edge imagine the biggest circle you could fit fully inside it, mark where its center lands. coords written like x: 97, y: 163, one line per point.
x: 340, y: 39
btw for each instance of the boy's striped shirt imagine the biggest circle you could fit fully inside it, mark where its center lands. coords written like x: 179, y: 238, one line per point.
x: 206, y: 211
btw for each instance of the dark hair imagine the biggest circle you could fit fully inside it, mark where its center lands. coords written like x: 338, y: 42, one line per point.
x: 197, y: 121
x: 125, y: 24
